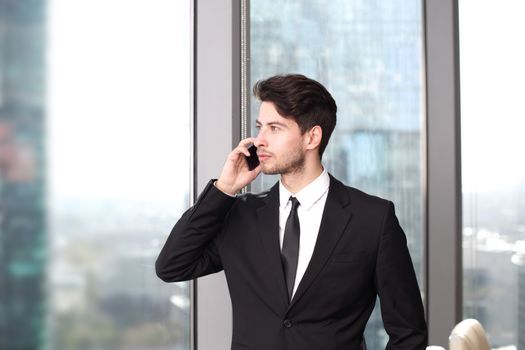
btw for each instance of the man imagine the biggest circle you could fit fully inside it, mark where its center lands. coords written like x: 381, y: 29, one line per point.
x: 305, y: 260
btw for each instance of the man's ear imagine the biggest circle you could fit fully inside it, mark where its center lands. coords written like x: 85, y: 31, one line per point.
x: 315, y: 135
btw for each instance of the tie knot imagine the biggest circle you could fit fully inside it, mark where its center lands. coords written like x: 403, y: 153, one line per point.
x: 295, y: 203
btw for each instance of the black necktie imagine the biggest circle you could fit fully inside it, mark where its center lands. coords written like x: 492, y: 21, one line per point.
x: 290, y: 251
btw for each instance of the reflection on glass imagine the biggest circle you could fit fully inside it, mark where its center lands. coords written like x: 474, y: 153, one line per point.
x: 94, y: 169
x: 493, y: 170
x: 368, y: 55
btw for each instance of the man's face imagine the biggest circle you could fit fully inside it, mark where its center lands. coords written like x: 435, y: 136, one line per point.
x: 280, y: 145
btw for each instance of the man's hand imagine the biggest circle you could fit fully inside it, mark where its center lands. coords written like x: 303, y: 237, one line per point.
x: 235, y: 174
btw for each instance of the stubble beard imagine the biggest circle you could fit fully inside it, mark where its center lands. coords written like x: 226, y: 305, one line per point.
x: 292, y: 164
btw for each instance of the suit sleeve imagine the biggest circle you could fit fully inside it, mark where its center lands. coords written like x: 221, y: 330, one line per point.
x: 191, y: 249
x: 396, y: 283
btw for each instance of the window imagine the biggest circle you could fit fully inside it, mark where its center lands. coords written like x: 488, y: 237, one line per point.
x: 95, y: 120
x: 369, y: 56
x: 492, y: 76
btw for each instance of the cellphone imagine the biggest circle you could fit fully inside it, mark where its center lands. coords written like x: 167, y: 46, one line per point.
x: 252, y: 160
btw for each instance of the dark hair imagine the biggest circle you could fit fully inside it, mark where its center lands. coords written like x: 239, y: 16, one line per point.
x: 304, y: 100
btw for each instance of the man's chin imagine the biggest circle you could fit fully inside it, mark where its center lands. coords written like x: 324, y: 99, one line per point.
x: 269, y: 171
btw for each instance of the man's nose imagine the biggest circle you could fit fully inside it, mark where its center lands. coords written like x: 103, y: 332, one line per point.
x: 260, y: 140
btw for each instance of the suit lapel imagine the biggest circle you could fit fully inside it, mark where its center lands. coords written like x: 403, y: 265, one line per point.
x: 268, y: 224
x: 333, y: 223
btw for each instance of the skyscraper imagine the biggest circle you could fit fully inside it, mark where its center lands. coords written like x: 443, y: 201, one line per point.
x: 23, y: 251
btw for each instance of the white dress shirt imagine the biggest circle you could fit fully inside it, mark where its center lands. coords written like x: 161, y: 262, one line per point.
x: 312, y: 199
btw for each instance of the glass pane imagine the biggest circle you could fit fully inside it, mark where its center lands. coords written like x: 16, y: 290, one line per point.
x: 369, y: 56
x: 492, y: 124
x: 95, y: 117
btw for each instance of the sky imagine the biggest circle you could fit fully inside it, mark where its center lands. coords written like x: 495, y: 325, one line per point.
x: 118, y: 99
x: 492, y: 70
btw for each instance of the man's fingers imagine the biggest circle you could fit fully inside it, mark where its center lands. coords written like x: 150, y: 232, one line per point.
x: 241, y: 150
x: 243, y: 146
x: 247, y: 141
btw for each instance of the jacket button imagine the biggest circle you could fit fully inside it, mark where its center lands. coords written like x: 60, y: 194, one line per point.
x: 287, y: 323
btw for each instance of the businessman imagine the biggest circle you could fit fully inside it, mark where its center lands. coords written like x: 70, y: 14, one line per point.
x: 305, y: 260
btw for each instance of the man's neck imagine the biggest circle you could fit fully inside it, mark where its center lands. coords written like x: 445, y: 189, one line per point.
x: 294, y: 182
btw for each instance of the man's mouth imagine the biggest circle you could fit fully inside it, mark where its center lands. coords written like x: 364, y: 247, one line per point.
x: 263, y: 156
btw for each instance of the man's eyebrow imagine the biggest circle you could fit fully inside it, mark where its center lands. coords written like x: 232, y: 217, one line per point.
x: 272, y: 123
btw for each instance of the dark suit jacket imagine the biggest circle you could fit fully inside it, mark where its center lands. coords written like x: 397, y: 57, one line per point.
x: 360, y: 252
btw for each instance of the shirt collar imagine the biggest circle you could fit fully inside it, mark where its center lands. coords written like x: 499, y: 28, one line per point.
x: 309, y: 195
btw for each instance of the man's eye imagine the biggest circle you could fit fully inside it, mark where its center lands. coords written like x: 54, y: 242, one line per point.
x: 274, y: 128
